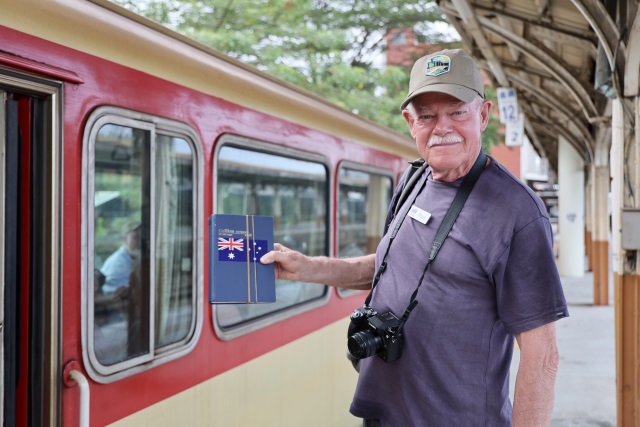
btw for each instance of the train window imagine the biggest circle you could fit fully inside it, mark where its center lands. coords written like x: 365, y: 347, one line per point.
x: 142, y: 297
x: 363, y: 199
x: 292, y: 190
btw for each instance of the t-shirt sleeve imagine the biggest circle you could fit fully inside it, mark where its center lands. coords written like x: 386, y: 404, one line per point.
x: 528, y: 288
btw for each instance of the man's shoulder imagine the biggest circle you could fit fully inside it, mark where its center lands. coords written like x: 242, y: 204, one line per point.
x: 506, y: 189
x: 505, y: 201
x: 117, y: 259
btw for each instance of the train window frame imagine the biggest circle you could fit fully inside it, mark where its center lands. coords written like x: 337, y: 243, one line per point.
x: 347, y: 164
x: 158, y: 127
x: 246, y: 143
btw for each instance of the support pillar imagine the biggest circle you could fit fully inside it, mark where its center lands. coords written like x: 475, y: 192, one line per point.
x: 571, y: 210
x: 600, y: 235
x: 588, y: 219
x: 626, y: 280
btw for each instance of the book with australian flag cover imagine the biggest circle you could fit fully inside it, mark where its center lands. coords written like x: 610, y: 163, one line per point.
x: 236, y: 275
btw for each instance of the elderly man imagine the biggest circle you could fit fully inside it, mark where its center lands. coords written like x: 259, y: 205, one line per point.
x: 494, y: 278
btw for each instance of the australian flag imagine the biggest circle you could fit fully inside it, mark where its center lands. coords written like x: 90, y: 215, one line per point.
x: 235, y: 249
x: 235, y: 272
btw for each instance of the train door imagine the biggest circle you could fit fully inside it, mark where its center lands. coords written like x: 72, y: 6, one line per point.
x: 2, y: 239
x: 29, y: 315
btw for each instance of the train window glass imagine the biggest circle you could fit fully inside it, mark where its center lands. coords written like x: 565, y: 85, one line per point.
x: 121, y: 243
x: 174, y: 240
x: 294, y: 192
x: 363, y: 199
x: 143, y: 244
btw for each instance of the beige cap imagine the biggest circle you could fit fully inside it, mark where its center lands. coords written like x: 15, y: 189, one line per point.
x: 450, y: 71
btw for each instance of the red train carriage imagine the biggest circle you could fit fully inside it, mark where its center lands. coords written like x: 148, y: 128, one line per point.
x: 120, y: 138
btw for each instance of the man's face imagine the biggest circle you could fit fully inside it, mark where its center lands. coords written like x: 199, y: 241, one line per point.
x: 448, y: 132
x: 132, y: 241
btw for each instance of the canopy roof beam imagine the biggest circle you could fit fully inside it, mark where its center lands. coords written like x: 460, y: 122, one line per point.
x: 603, y: 25
x: 568, y: 116
x: 571, y: 34
x: 466, y: 13
x: 581, y: 91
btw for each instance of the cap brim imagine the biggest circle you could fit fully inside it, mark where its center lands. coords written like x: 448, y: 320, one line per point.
x: 462, y: 93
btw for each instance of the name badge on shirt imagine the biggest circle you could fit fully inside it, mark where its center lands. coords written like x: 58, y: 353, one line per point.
x: 419, y: 214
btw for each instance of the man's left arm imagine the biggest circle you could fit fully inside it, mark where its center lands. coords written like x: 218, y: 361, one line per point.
x: 533, y: 400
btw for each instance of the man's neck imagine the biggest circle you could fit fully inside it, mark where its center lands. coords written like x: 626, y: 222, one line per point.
x: 451, y: 175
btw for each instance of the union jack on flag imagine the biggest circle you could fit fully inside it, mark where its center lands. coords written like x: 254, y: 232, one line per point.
x: 230, y: 244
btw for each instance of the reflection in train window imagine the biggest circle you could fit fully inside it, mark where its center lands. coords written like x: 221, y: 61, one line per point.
x: 363, y: 199
x: 294, y: 192
x: 143, y: 244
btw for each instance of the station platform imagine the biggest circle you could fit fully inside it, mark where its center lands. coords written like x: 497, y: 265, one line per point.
x: 585, y: 393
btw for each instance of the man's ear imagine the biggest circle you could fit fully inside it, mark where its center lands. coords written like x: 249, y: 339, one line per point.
x: 485, y: 110
x: 409, y: 118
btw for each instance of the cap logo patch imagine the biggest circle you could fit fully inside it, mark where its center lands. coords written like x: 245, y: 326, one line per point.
x: 437, y: 65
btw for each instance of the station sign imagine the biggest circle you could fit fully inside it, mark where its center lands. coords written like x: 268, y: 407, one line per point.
x: 514, y: 132
x: 507, y: 104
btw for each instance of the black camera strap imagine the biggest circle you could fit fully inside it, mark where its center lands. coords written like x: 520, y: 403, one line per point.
x: 443, y: 231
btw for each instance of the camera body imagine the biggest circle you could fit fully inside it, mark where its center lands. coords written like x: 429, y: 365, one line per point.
x: 372, y: 333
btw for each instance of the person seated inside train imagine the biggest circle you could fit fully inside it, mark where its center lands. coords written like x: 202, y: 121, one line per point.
x: 118, y: 266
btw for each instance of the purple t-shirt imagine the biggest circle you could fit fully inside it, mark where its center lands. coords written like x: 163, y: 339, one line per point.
x: 494, y: 276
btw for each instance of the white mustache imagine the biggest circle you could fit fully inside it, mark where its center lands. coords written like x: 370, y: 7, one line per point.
x: 447, y: 139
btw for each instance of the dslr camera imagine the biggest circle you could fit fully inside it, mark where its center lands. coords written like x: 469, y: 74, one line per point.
x: 372, y: 333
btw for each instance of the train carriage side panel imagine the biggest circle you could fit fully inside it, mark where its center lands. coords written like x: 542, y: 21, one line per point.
x: 286, y: 372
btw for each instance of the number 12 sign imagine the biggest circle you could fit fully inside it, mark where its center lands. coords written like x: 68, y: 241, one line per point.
x: 507, y: 104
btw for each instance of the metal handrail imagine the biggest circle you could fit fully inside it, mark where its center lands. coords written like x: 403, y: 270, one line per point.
x: 84, y: 396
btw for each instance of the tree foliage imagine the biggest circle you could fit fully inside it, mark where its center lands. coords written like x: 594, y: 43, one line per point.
x: 330, y: 47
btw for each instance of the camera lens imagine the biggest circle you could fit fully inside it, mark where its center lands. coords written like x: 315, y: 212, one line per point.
x: 364, y: 344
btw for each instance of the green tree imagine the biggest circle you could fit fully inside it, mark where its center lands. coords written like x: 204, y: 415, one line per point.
x: 494, y: 133
x: 330, y: 47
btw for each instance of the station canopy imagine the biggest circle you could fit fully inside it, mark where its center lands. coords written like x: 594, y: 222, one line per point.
x: 556, y: 55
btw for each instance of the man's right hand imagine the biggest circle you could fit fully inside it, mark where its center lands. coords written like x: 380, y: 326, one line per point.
x: 289, y: 264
